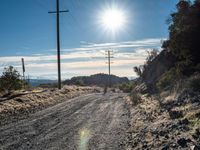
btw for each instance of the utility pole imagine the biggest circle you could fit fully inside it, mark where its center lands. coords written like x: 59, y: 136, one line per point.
x: 109, y: 62
x: 23, y: 70
x: 57, y: 12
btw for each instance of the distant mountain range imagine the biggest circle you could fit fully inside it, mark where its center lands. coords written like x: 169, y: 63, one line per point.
x: 37, y: 82
x: 96, y: 79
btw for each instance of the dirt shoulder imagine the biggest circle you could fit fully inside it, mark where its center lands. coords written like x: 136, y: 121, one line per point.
x: 20, y: 104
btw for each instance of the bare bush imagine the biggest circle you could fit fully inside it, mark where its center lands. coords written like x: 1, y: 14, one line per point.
x: 135, y: 97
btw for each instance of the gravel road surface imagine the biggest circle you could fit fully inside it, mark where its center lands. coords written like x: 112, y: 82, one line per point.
x: 89, y: 122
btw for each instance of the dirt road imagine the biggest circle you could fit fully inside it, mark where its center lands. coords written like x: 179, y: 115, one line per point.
x: 92, y: 121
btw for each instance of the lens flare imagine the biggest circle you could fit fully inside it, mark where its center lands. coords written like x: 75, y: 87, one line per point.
x: 84, y: 138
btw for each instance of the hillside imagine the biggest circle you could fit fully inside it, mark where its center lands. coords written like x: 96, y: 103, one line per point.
x: 166, y: 121
x: 97, y: 79
x: 166, y: 101
x: 157, y: 67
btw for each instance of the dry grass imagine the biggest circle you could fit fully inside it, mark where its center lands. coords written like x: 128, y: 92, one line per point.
x: 135, y: 98
x: 151, y: 119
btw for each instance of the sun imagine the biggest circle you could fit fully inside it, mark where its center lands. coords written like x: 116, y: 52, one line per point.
x: 112, y: 19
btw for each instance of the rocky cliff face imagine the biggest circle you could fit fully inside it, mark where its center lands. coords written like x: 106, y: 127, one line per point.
x: 162, y: 63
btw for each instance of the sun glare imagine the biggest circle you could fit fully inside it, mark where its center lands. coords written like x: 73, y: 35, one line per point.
x: 112, y: 19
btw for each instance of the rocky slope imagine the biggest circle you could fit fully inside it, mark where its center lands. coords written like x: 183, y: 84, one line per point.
x: 166, y: 121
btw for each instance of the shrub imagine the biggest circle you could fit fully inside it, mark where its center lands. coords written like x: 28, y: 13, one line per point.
x: 105, y: 90
x: 10, y: 80
x: 126, y: 87
x: 135, y: 98
x: 167, y: 79
x: 194, y: 83
x: 79, y: 82
x: 151, y: 55
x: 138, y: 70
x: 175, y: 114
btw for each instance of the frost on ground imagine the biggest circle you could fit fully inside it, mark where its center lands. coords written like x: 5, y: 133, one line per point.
x: 21, y: 103
x: 170, y: 122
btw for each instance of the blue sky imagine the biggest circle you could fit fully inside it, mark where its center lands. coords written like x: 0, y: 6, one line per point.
x: 27, y: 30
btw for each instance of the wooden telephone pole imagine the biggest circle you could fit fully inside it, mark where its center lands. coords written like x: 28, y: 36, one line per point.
x: 23, y: 70
x: 109, y: 56
x: 57, y: 12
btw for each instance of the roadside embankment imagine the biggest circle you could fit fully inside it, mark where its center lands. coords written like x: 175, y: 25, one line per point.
x: 22, y: 103
x: 166, y: 121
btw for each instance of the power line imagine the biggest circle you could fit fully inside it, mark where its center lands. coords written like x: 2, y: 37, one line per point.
x: 57, y: 12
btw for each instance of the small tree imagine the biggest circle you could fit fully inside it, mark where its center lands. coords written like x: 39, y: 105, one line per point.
x: 151, y: 55
x: 184, y: 34
x: 10, y: 80
x: 138, y: 70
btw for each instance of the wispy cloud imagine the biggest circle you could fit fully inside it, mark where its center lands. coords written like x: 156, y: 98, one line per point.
x: 87, y: 59
x: 127, y: 44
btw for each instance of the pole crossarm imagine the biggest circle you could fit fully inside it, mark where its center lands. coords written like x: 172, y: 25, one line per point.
x: 109, y: 57
x: 54, y: 12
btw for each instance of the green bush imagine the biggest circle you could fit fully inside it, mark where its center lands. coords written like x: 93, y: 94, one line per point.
x: 194, y: 83
x: 167, y: 80
x: 79, y: 82
x: 10, y: 80
x: 126, y: 87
